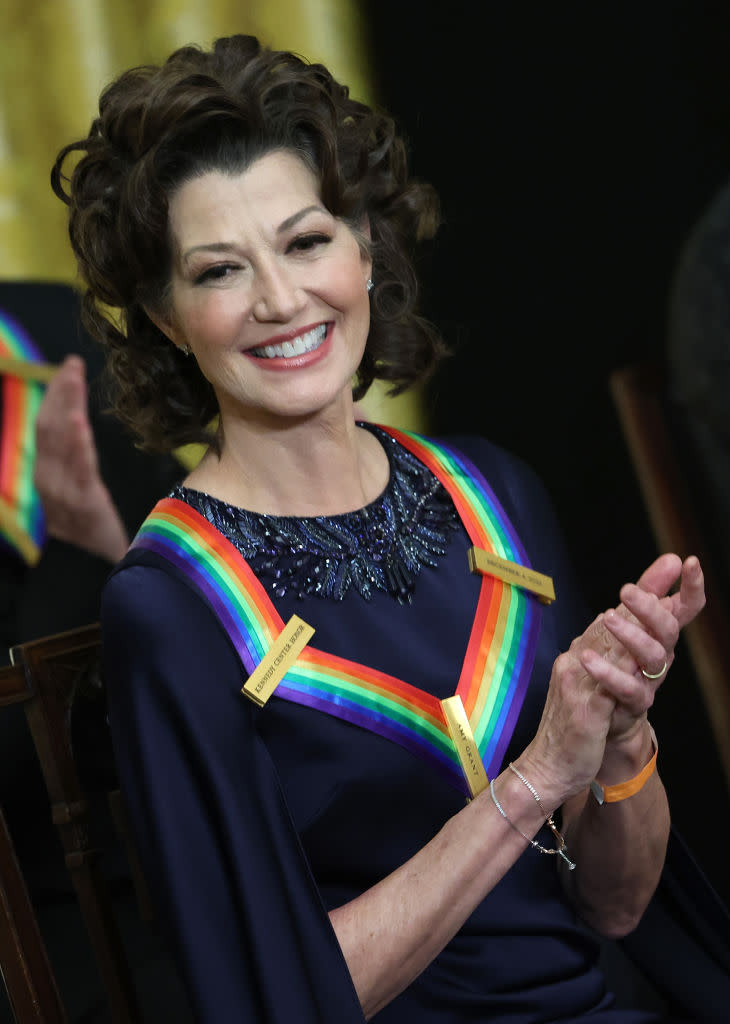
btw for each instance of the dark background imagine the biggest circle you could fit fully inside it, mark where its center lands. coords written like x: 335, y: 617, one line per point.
x: 573, y: 147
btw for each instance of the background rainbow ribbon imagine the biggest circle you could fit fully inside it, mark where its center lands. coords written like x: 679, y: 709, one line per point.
x: 499, y: 656
x: 22, y: 525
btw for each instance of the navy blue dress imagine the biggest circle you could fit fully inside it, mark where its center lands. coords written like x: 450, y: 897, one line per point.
x: 253, y: 823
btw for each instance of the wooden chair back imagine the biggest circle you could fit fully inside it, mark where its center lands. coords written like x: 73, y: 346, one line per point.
x: 29, y: 980
x: 638, y: 396
x: 46, y: 676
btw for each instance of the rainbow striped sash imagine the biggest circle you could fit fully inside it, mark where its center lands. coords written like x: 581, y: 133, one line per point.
x: 22, y: 524
x: 499, y: 656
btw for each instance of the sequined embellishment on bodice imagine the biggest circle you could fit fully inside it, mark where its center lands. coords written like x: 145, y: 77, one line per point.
x: 380, y: 547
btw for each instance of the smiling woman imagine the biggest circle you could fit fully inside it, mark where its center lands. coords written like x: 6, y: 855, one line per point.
x: 305, y: 678
x: 249, y: 108
x: 275, y: 309
x: 277, y: 315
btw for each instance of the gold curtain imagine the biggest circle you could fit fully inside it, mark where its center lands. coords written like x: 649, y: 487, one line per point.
x: 57, y: 55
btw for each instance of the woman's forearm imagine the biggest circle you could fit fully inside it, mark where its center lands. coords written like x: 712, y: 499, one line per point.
x: 393, y: 931
x: 619, y: 847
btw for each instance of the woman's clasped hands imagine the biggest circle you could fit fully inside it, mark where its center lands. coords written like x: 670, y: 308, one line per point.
x: 602, y: 687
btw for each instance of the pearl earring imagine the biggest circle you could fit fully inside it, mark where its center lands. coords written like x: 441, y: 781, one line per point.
x: 186, y: 350
x: 369, y: 285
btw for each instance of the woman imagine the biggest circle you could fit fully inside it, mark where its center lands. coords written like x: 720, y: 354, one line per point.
x: 314, y: 857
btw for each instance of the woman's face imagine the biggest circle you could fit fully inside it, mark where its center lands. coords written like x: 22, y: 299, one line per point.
x: 269, y: 290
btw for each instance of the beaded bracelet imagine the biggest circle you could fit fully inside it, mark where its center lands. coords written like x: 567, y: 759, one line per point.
x: 562, y: 848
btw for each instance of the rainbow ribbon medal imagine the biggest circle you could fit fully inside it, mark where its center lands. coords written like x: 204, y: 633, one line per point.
x: 21, y: 515
x: 499, y: 656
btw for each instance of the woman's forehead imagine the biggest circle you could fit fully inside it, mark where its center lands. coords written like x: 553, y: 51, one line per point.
x: 272, y: 189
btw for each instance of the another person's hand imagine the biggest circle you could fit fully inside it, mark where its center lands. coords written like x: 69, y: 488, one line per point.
x: 77, y: 504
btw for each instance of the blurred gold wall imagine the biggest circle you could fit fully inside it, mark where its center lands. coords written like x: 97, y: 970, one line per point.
x: 57, y: 55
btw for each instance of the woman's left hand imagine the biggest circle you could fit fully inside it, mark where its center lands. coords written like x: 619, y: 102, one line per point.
x: 641, y: 634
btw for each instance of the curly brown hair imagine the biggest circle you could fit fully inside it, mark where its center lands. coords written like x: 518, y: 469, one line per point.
x: 219, y: 110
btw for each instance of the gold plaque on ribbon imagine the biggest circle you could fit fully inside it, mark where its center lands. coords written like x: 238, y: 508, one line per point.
x: 277, y: 661
x: 465, y: 744
x: 511, y: 572
x: 15, y: 367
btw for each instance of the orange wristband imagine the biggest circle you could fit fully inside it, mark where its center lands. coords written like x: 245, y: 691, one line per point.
x: 612, y: 794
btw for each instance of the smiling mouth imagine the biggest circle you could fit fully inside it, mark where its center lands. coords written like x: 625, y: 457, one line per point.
x: 296, y: 347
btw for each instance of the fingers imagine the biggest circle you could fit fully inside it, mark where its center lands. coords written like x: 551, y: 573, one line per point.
x: 645, y: 629
x: 81, y: 457
x: 662, y: 615
x: 66, y: 393
x: 647, y: 650
x: 624, y: 647
x: 65, y: 449
x: 640, y: 634
x: 657, y: 616
x: 647, y: 635
x: 60, y: 402
x: 691, y: 598
x: 661, y: 575
x: 634, y: 694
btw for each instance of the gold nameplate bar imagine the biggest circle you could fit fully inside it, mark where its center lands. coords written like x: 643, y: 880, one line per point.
x: 510, y: 572
x: 277, y: 661
x: 465, y: 744
x: 15, y: 367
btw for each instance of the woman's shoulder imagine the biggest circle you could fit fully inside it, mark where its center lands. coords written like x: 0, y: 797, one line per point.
x: 140, y: 580
x: 481, y: 450
x: 525, y: 499
x: 165, y: 653
x: 144, y: 599
x: 150, y: 600
x: 511, y: 476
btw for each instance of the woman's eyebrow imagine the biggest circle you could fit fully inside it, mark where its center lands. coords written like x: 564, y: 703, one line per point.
x: 210, y: 247
x: 291, y: 221
x: 284, y: 226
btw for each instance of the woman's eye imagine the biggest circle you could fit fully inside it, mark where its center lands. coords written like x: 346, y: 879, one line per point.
x: 216, y: 273
x: 304, y: 243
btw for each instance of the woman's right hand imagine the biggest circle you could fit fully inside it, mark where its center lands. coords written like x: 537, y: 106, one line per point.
x: 597, y: 690
x: 567, y: 749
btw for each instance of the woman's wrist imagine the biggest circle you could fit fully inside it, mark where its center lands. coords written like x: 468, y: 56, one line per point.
x: 526, y: 811
x: 560, y: 849
x: 551, y: 777
x: 627, y: 755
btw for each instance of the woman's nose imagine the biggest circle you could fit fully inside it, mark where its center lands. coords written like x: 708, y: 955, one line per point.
x: 277, y: 295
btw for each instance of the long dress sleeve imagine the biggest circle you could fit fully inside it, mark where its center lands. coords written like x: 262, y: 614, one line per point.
x: 219, y: 849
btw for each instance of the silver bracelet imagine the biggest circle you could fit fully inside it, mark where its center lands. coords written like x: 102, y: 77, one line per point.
x: 562, y: 849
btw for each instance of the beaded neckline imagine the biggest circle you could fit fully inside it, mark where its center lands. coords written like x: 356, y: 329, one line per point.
x: 382, y: 546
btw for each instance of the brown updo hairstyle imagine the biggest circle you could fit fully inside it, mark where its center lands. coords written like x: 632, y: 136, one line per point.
x: 159, y: 127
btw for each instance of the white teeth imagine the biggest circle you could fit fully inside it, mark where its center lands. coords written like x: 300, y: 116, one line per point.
x: 296, y: 347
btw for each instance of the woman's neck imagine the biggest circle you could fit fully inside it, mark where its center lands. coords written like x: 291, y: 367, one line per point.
x: 322, y: 466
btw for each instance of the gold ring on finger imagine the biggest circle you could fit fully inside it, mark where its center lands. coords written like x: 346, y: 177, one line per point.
x: 655, y: 675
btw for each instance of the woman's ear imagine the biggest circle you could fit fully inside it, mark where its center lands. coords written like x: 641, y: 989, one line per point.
x: 166, y: 325
x: 364, y: 241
